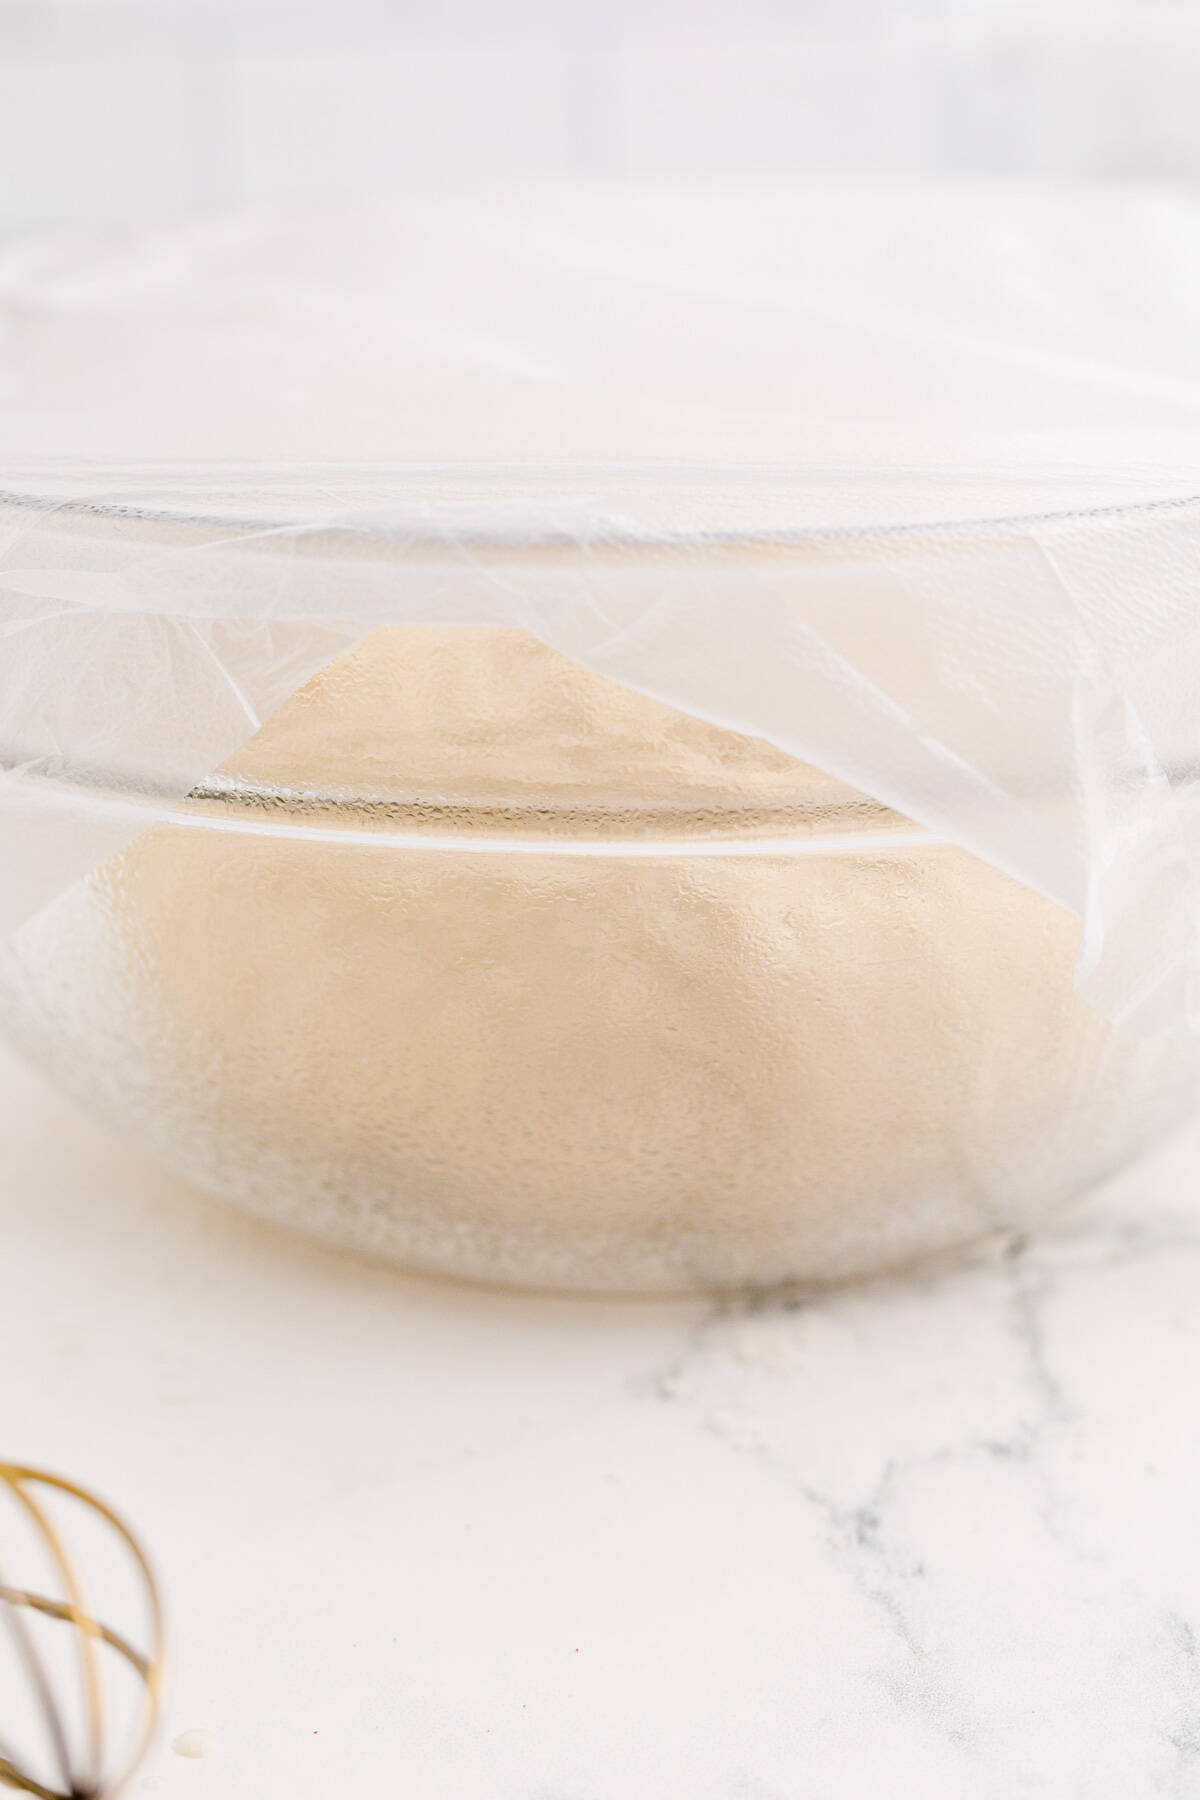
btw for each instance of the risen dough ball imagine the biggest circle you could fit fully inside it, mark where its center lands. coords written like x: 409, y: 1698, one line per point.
x: 605, y: 1071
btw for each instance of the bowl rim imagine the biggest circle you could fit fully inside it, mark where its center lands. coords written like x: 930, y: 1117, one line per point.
x: 130, y: 495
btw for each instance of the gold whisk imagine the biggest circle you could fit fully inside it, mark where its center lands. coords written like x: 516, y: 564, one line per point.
x: 98, y: 1771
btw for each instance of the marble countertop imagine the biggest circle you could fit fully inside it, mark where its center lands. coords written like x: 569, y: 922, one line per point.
x: 930, y: 1539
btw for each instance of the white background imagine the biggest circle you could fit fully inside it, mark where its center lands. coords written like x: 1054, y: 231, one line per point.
x: 127, y: 107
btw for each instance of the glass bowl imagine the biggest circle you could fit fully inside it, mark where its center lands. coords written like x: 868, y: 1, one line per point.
x: 536, y: 979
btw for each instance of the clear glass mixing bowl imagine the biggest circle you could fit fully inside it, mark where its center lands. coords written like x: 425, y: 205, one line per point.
x: 621, y: 1030
x: 478, y: 960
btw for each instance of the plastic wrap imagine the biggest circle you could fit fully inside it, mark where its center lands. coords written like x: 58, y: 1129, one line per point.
x: 900, y: 480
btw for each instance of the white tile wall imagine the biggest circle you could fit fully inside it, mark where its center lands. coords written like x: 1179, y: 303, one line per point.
x: 118, y: 107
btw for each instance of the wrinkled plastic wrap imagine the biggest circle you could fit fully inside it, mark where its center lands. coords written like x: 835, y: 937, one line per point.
x: 903, y: 481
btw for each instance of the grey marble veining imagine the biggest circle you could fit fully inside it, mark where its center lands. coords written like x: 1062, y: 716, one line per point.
x: 1002, y: 1463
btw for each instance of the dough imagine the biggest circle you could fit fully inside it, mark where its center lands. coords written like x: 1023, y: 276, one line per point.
x: 592, y: 1070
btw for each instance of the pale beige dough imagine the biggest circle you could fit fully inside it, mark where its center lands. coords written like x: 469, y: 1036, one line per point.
x: 593, y: 1071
